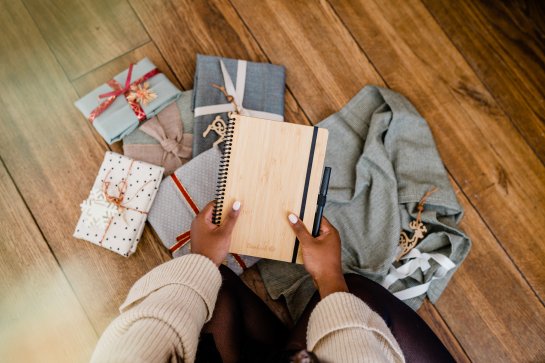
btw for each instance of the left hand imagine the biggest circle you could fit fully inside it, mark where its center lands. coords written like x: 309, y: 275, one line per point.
x: 209, y: 239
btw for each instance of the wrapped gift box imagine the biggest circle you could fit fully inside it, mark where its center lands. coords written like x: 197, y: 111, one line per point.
x: 256, y: 88
x: 115, y: 213
x: 180, y: 198
x: 166, y: 139
x: 134, y: 95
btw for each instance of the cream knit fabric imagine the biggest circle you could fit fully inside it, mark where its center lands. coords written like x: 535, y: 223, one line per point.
x: 165, y: 310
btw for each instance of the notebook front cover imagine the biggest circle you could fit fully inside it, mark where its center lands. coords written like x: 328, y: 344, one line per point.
x: 270, y: 164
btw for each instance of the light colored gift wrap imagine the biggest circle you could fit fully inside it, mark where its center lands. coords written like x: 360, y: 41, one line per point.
x: 181, y: 196
x: 115, y: 213
x: 119, y: 119
x: 166, y: 139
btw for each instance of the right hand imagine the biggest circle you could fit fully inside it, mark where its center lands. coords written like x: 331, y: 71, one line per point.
x: 321, y: 255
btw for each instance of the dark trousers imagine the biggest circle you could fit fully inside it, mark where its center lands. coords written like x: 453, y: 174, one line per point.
x: 243, y: 329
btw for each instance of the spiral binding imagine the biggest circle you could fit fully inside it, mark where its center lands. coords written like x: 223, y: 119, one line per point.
x: 223, y: 169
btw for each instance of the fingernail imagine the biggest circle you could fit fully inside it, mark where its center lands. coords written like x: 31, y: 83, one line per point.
x: 236, y: 205
x: 293, y: 218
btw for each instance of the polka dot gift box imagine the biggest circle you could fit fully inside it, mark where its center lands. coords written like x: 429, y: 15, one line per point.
x: 114, y: 214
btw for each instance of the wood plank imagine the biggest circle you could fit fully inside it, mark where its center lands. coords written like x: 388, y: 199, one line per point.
x: 36, y: 297
x: 91, y: 80
x: 53, y: 155
x: 508, y: 55
x: 431, y: 316
x: 288, y: 16
x: 209, y: 28
x: 86, y: 34
x: 325, y: 66
x: 486, y: 155
x: 488, y: 306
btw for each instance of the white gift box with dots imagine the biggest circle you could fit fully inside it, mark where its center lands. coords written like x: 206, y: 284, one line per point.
x: 115, y: 213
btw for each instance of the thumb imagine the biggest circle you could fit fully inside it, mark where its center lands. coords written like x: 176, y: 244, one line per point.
x: 231, y: 218
x: 299, y: 228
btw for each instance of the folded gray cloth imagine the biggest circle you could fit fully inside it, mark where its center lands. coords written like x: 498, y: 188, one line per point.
x: 257, y: 88
x: 384, y: 160
x: 117, y: 119
x: 180, y: 197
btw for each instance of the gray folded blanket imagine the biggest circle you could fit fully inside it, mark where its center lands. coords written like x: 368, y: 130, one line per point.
x: 384, y: 160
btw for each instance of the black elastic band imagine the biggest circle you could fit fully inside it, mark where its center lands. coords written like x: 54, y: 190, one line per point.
x: 305, y: 191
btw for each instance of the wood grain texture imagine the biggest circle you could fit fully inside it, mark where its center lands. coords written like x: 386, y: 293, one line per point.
x: 489, y: 304
x: 91, y: 80
x: 504, y: 42
x: 53, y: 155
x: 484, y: 153
x: 431, y: 316
x: 86, y: 34
x: 211, y: 27
x: 36, y: 297
x: 275, y: 156
x: 325, y: 66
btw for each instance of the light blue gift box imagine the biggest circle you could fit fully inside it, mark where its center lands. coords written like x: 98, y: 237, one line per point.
x: 119, y: 119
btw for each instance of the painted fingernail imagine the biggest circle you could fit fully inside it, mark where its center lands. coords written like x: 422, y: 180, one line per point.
x: 293, y: 218
x: 236, y: 205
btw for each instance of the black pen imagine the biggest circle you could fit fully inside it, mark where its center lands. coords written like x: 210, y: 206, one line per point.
x: 321, y: 202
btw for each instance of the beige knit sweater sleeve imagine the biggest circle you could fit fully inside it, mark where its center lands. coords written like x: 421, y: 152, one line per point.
x: 165, y: 310
x: 342, y: 328
x: 163, y: 314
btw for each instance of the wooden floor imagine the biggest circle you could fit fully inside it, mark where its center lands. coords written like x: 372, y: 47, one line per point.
x: 474, y: 69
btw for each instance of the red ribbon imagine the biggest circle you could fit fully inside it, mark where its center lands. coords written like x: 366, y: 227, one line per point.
x: 118, y: 91
x: 117, y: 201
x: 185, y: 237
x: 123, y: 90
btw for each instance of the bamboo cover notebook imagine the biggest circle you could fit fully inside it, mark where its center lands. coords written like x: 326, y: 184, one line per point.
x: 273, y: 168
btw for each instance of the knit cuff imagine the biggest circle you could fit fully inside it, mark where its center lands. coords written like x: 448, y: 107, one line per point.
x: 343, y: 310
x: 194, y: 271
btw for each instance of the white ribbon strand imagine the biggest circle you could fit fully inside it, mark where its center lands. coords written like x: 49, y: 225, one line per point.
x: 238, y: 96
x: 417, y: 260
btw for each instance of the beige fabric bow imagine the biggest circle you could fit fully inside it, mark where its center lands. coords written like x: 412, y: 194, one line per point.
x: 174, y: 148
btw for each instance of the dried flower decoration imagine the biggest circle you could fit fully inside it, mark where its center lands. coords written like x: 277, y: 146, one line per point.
x: 141, y: 93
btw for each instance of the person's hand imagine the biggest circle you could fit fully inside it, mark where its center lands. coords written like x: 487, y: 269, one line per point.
x: 209, y: 239
x: 321, y: 255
